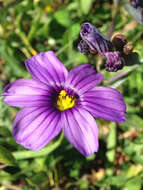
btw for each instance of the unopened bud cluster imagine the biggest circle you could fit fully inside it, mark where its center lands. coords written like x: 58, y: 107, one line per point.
x: 93, y: 41
x: 137, y: 3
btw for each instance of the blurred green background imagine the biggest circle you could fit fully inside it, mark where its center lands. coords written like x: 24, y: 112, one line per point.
x: 28, y: 27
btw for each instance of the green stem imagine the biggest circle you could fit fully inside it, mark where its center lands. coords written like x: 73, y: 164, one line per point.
x: 19, y: 155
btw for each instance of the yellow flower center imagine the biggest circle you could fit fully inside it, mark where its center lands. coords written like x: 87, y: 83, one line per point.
x: 65, y: 101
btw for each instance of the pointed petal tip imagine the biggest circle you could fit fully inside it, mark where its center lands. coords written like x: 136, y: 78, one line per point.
x: 26, y: 93
x: 47, y: 68
x: 50, y: 52
x: 105, y: 103
x: 122, y: 120
x: 100, y: 77
x: 87, y: 154
x: 81, y: 130
x: 28, y: 146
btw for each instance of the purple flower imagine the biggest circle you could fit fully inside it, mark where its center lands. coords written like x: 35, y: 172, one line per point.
x: 55, y: 100
x: 94, y: 39
x: 114, y: 61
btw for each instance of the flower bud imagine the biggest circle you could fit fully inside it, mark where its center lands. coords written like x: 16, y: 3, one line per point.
x: 137, y: 3
x: 114, y: 61
x: 83, y: 47
x: 95, y: 40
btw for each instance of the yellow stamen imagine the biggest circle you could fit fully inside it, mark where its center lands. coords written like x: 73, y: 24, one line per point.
x: 65, y: 101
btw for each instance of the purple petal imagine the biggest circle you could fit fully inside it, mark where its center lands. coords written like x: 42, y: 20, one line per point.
x: 106, y: 103
x: 27, y: 93
x: 81, y: 130
x: 82, y: 78
x: 45, y: 67
x: 35, y: 127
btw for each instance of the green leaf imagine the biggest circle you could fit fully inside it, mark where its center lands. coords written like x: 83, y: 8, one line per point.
x: 134, y: 151
x: 134, y: 120
x: 85, y: 6
x: 6, y: 157
x: 117, y: 180
x: 19, y: 155
x: 122, y: 75
x: 132, y: 187
x: 63, y: 18
x: 139, y: 82
x: 134, y: 183
x: 118, y: 83
x: 135, y: 13
x: 39, y: 178
x: 35, y: 26
x: 111, y: 143
x: 8, y: 57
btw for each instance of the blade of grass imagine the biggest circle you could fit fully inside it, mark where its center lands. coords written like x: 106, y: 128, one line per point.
x: 20, y: 155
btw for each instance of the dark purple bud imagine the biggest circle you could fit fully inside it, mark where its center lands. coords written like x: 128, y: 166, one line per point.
x: 137, y: 3
x: 134, y: 4
x: 114, y: 61
x: 83, y: 47
x: 95, y: 40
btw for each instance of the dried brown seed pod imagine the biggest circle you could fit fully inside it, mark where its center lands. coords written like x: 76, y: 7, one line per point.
x: 128, y: 48
x: 119, y: 41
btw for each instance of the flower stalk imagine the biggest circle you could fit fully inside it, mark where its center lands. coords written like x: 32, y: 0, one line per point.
x: 21, y: 155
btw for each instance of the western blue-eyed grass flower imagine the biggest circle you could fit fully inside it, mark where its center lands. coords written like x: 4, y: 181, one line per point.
x: 55, y: 100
